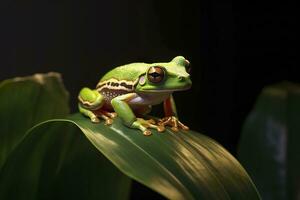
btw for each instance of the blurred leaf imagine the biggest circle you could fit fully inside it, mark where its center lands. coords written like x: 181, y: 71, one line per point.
x: 269, y: 145
x: 176, y: 165
x: 25, y: 102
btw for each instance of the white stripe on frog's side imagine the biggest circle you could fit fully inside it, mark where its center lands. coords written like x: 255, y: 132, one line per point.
x: 149, y: 99
x: 114, y: 84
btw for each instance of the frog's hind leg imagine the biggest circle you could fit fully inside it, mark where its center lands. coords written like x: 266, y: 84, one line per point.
x: 90, y: 101
x: 88, y: 113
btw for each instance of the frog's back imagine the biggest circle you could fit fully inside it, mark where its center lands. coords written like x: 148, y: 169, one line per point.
x: 129, y: 72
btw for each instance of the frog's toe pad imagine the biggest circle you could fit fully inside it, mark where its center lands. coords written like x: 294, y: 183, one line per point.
x: 113, y: 115
x: 161, y: 129
x: 184, y: 127
x: 95, y: 119
x: 108, y: 121
x: 147, y: 132
x: 175, y: 129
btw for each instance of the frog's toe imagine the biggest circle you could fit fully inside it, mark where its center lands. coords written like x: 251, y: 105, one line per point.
x: 108, y: 121
x: 144, y: 126
x: 175, y: 129
x: 151, y: 123
x: 161, y: 129
x: 158, y: 128
x: 109, y: 114
x: 113, y: 115
x: 95, y: 119
x: 139, y: 125
x: 182, y: 126
x: 147, y: 132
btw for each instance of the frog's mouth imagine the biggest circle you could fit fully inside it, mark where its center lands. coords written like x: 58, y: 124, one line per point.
x: 166, y: 90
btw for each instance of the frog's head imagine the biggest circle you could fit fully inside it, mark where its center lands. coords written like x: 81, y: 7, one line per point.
x: 166, y: 77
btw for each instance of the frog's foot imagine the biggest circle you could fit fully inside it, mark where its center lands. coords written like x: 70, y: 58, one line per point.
x: 95, y: 119
x: 143, y: 125
x: 89, y: 114
x: 107, y: 116
x: 110, y: 114
x: 173, y: 122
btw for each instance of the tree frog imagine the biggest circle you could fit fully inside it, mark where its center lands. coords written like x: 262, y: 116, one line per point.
x: 130, y: 91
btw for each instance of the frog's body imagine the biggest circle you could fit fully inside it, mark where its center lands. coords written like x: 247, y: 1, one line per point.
x: 132, y: 89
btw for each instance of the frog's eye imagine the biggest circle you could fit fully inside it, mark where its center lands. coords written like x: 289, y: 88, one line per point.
x: 156, y: 74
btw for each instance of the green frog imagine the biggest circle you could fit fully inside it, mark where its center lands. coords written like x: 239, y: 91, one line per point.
x: 129, y: 91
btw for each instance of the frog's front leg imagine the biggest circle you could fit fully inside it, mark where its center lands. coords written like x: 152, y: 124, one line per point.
x: 123, y: 110
x: 171, y: 118
x: 90, y: 103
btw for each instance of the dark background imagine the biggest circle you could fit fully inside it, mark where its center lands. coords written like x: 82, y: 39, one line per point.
x: 235, y: 49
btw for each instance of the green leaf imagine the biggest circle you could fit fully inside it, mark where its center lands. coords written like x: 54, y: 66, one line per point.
x: 184, y: 165
x: 25, y: 102
x: 56, y: 161
x: 269, y: 145
x: 72, y: 158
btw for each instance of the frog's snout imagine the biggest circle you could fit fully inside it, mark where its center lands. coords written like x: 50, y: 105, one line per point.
x: 184, y: 82
x: 183, y: 78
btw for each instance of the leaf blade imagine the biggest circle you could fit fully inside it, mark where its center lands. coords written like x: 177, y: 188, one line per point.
x: 57, y: 162
x: 171, y: 164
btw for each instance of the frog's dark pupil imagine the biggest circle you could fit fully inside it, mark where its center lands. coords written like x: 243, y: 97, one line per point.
x: 155, y: 74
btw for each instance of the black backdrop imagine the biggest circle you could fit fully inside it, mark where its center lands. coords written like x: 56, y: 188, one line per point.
x: 235, y: 49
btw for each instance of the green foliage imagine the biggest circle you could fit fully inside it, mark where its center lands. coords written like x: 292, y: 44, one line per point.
x: 25, y: 102
x: 72, y: 158
x: 269, y: 147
